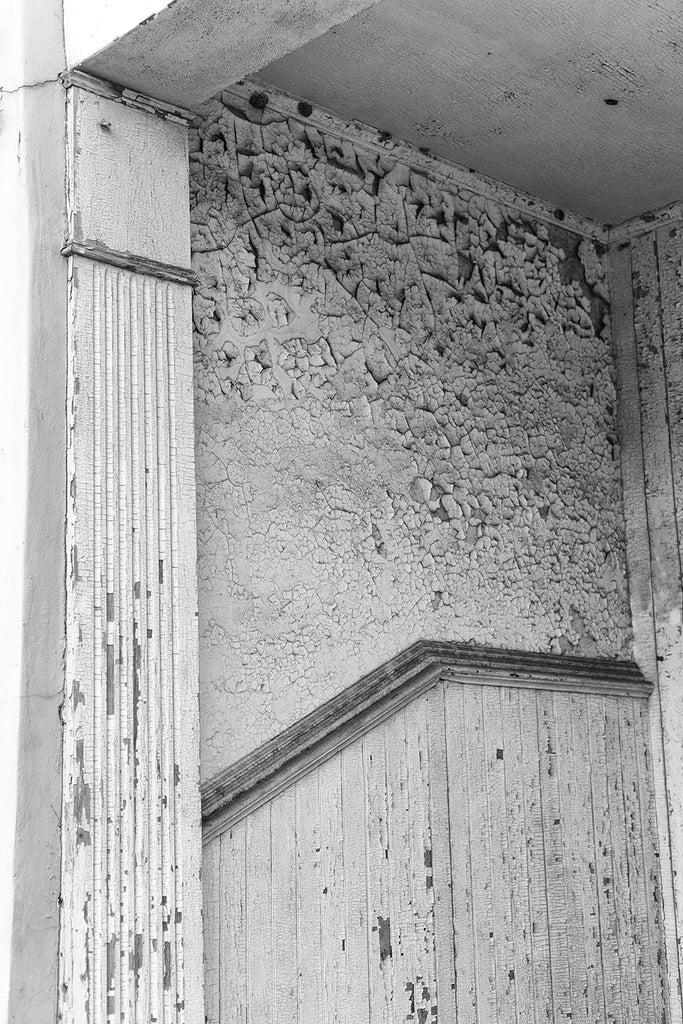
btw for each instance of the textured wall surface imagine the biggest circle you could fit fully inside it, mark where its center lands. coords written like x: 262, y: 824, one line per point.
x: 405, y: 423
x: 458, y: 862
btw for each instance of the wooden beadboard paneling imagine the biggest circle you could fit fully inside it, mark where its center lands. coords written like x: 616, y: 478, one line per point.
x: 486, y: 853
x: 277, y: 764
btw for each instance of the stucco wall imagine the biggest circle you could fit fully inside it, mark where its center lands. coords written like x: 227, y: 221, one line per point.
x: 405, y: 422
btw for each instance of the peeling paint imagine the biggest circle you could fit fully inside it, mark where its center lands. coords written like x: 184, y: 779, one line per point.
x: 384, y: 934
x: 405, y: 423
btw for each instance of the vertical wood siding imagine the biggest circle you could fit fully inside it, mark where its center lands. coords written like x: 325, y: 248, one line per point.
x: 129, y: 837
x: 487, y: 854
x: 647, y: 324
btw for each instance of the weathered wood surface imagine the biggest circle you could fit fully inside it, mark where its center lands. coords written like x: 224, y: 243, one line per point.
x: 646, y: 284
x: 130, y: 938
x: 278, y: 763
x: 130, y: 842
x: 485, y: 854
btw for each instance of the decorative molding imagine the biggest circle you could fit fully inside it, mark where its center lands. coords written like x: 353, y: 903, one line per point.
x: 130, y: 97
x: 277, y: 764
x: 645, y: 223
x: 423, y: 162
x: 130, y: 926
x: 130, y: 261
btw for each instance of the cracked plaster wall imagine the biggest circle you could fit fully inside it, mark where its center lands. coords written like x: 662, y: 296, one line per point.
x: 405, y: 423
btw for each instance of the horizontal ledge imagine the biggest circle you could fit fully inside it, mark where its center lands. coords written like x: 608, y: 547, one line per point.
x: 130, y: 261
x: 80, y: 80
x: 277, y: 764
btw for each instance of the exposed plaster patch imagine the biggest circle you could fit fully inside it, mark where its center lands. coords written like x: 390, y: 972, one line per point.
x: 405, y: 424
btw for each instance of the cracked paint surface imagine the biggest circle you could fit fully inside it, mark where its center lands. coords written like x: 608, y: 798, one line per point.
x: 405, y: 423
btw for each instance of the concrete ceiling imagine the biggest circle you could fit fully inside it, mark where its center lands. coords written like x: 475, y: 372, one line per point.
x: 517, y: 89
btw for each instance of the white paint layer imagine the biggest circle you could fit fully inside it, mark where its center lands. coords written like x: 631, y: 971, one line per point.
x: 14, y: 308
x: 485, y: 854
x: 131, y: 926
x: 32, y: 457
x: 128, y: 179
x: 648, y: 281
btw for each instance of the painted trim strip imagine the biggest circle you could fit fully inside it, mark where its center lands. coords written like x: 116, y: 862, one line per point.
x: 110, y: 91
x: 277, y: 764
x: 645, y: 223
x: 130, y: 261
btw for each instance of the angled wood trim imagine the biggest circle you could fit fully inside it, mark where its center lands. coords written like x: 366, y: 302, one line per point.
x: 277, y: 764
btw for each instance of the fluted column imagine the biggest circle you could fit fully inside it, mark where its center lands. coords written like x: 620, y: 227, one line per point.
x: 131, y: 929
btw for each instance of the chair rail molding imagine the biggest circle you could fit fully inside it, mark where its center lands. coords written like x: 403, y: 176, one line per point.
x: 277, y: 764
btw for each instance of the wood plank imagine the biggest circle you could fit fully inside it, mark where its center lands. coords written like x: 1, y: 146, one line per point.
x: 614, y: 1010
x: 355, y: 875
x: 588, y: 997
x: 308, y: 890
x: 259, y: 922
x: 461, y: 857
x: 332, y: 893
x: 574, y: 857
x: 212, y: 918
x: 439, y: 816
x: 621, y: 881
x: 554, y: 857
x: 480, y: 839
x: 494, y: 765
x: 357, y: 863
x: 536, y: 858
x: 380, y: 960
x: 651, y: 858
x: 284, y: 904
x: 642, y: 546
x: 123, y: 214
x: 407, y: 986
x: 669, y: 252
x: 636, y: 867
x: 517, y: 832
x: 668, y: 577
x: 234, y: 995
x: 421, y: 858
x: 652, y: 365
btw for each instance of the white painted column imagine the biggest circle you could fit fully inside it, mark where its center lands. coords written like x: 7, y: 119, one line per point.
x: 131, y: 928
x: 32, y: 499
